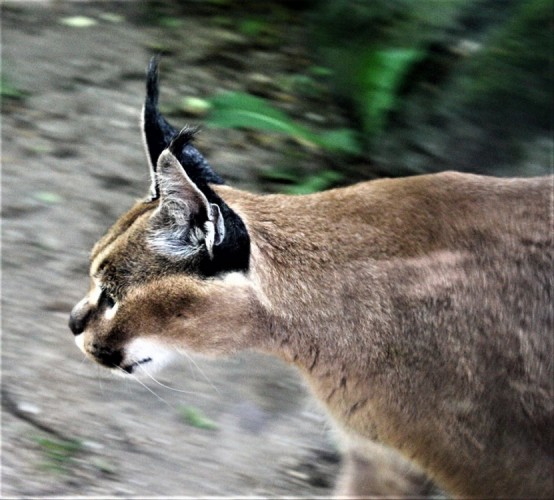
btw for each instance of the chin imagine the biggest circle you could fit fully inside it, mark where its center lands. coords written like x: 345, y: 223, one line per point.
x: 145, y: 356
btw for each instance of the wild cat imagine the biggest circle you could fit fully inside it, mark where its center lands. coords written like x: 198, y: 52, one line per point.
x: 419, y: 310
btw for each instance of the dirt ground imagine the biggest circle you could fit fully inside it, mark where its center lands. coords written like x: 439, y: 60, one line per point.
x: 72, y: 162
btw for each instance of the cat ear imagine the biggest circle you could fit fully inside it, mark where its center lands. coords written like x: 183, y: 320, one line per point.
x: 157, y: 134
x: 185, y: 221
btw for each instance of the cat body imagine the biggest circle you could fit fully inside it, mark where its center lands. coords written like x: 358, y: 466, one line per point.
x: 419, y: 310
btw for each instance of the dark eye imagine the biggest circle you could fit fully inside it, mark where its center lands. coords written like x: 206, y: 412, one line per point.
x: 106, y: 299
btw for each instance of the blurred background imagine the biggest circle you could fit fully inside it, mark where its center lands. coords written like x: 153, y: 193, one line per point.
x: 292, y: 96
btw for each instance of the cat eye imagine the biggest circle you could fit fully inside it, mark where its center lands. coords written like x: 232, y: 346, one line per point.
x: 106, y: 299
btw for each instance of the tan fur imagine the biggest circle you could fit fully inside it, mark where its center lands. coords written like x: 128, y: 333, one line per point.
x: 419, y: 310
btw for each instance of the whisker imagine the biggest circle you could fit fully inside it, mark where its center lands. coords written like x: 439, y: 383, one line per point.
x: 146, y: 387
x: 201, y: 371
x: 191, y: 367
x: 166, y: 386
x: 99, y: 380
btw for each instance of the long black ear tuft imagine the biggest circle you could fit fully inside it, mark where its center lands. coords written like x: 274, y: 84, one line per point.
x: 158, y: 134
x: 191, y: 159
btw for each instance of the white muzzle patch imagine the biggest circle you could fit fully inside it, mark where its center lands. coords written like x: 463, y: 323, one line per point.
x: 80, y: 341
x: 148, y: 355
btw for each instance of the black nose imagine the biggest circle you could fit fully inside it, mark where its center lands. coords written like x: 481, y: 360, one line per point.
x: 78, y: 319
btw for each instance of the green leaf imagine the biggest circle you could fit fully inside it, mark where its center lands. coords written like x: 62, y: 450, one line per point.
x: 240, y: 110
x: 343, y: 139
x: 314, y: 183
x: 170, y: 22
x: 78, y: 21
x: 237, y: 109
x: 322, y: 71
x: 252, y: 27
x: 194, y: 417
x: 9, y: 91
x: 111, y: 17
x: 293, y: 182
x: 381, y: 73
x: 47, y: 197
x: 58, y: 453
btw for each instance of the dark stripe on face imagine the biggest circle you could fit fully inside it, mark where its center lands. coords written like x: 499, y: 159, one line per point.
x: 122, y: 225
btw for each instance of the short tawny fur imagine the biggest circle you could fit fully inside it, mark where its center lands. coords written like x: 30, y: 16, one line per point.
x: 419, y: 310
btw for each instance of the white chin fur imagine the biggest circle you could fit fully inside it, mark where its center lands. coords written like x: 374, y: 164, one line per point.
x: 147, y: 356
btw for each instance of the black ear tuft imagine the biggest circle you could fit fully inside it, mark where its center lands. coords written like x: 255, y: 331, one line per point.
x: 191, y: 159
x: 181, y: 140
x: 158, y: 133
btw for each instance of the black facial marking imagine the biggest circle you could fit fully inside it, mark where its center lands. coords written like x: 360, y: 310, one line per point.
x: 130, y: 368
x: 106, y: 356
x: 106, y: 300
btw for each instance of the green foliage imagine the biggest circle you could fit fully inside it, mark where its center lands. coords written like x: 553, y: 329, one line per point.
x: 293, y: 182
x: 320, y: 71
x: 252, y: 27
x: 301, y: 84
x: 195, y: 418
x: 170, y: 22
x: 78, y: 21
x: 511, y: 79
x: 9, y: 91
x: 380, y: 74
x: 59, y: 453
x: 241, y: 110
x: 371, y: 46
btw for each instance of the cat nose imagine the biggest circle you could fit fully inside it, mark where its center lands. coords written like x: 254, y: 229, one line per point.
x: 79, y: 317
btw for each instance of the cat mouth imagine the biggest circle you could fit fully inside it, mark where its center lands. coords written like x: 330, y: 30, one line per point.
x: 131, y: 367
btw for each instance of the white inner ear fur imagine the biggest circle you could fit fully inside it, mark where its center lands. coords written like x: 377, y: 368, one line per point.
x: 177, y: 187
x: 214, y: 229
x: 181, y: 200
x: 150, y: 165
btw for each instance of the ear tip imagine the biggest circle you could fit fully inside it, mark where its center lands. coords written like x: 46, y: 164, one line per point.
x: 182, y: 139
x: 152, y: 80
x: 154, y: 62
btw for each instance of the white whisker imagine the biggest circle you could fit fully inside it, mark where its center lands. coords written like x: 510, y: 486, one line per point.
x: 167, y: 386
x: 200, y: 370
x: 146, y: 387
